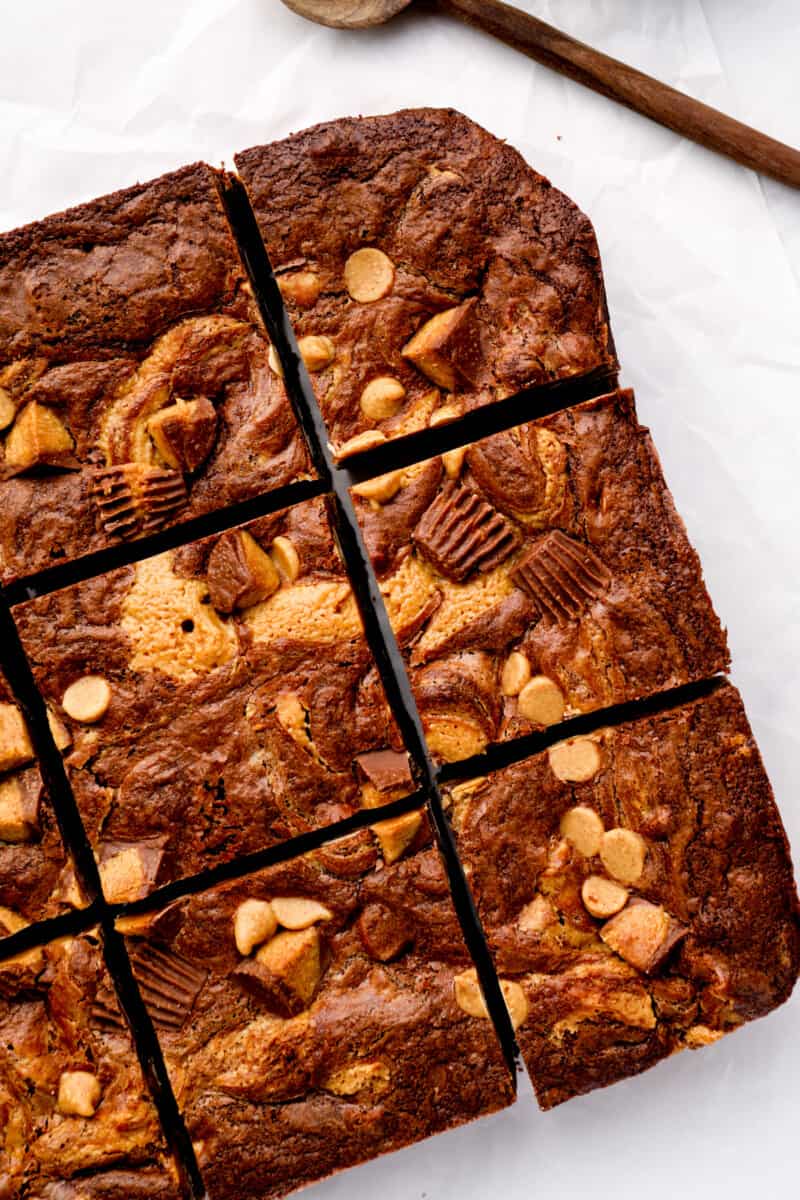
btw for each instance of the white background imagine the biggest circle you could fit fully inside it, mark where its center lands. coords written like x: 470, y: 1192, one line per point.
x: 702, y: 265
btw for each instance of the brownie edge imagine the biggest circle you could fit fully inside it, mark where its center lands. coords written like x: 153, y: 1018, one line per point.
x: 637, y: 883
x: 318, y: 1013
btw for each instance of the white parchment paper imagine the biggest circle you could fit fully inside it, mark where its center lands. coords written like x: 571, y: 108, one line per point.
x: 702, y: 265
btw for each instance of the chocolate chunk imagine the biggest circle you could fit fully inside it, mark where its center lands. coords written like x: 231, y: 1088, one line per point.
x: 386, y: 769
x: 383, y: 932
x: 461, y: 533
x: 169, y: 983
x: 133, y: 499
x: 563, y: 576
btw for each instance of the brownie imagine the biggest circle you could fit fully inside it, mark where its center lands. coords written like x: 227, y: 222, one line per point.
x: 37, y: 878
x: 76, y: 1120
x: 308, y: 1013
x: 220, y: 698
x: 637, y: 885
x: 536, y: 574
x: 134, y: 386
x: 427, y: 269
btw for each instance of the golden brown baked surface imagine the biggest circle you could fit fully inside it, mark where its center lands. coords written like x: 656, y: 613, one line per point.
x: 134, y: 386
x: 536, y: 574
x: 637, y: 885
x: 309, y: 1013
x: 220, y: 698
x: 424, y: 264
x: 75, y: 1117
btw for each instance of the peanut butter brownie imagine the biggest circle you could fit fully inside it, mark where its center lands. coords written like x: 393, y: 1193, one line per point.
x: 220, y: 698
x: 309, y: 1013
x: 134, y: 386
x: 36, y: 875
x: 427, y: 269
x: 637, y: 886
x: 76, y: 1121
x: 536, y: 574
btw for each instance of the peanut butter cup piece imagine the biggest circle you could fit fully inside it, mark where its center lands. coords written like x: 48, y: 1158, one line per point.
x: 561, y: 575
x: 240, y: 573
x: 461, y: 533
x: 169, y: 984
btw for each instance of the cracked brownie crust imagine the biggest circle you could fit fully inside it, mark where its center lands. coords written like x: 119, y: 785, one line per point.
x: 427, y: 269
x: 637, y: 885
x: 311, y: 1017
x: 536, y: 574
x: 219, y: 698
x: 76, y: 1121
x: 36, y: 877
x: 134, y: 386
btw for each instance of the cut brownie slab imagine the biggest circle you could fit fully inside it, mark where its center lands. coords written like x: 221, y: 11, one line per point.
x: 637, y: 885
x: 427, y: 269
x: 37, y: 879
x: 220, y: 697
x: 76, y: 1121
x: 309, y: 1013
x: 134, y: 386
x: 536, y: 574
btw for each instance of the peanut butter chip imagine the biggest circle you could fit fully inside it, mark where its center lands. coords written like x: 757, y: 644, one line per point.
x: 542, y: 702
x: 254, y: 923
x: 368, y: 275
x: 317, y: 351
x: 285, y: 557
x: 382, y: 488
x: 516, y: 673
x: 303, y: 287
x: 382, y: 398
x: 87, y: 699
x: 575, y: 761
x: 297, y: 912
x: 622, y: 853
x: 516, y: 1001
x: 583, y: 829
x: 602, y: 896
x: 78, y: 1094
x: 468, y: 994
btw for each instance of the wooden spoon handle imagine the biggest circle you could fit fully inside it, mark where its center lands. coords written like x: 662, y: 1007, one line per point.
x: 631, y: 87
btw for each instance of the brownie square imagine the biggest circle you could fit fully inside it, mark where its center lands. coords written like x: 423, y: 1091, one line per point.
x: 427, y: 269
x: 37, y: 879
x: 76, y: 1120
x: 134, y: 386
x: 536, y: 574
x: 220, y: 698
x: 637, y: 885
x: 308, y: 1013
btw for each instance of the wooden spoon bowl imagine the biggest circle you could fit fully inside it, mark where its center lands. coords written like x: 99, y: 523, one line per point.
x: 347, y: 14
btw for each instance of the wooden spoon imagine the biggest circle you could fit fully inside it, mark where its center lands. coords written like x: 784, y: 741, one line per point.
x: 611, y: 78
